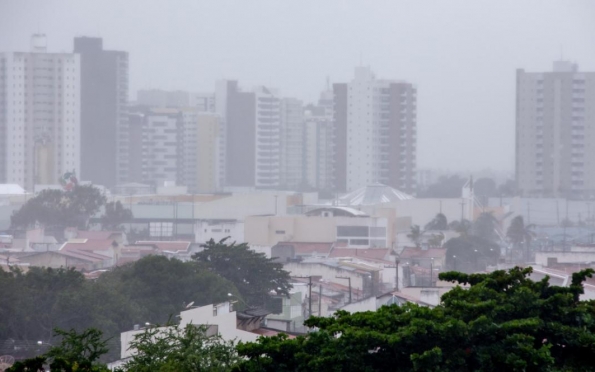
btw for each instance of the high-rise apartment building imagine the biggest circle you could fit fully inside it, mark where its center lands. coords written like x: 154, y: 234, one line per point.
x: 555, y: 147
x: 375, y: 133
x: 104, y: 99
x: 292, y: 144
x: 40, y: 115
x: 319, y: 144
x: 251, y: 126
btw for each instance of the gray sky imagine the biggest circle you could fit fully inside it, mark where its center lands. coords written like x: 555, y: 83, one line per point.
x: 462, y: 55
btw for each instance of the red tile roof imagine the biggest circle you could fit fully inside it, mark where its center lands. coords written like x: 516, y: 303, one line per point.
x: 89, y: 245
x: 96, y: 235
x: 410, y: 252
x: 371, y: 253
x: 303, y: 248
x: 167, y: 246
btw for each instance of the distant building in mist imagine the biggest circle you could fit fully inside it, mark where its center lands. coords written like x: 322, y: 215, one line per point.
x: 178, y: 145
x: 252, y: 122
x: 555, y: 146
x: 40, y: 115
x: 375, y: 133
x: 319, y: 144
x: 292, y: 144
x: 104, y: 99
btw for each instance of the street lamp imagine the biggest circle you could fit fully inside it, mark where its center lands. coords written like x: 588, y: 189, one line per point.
x: 455, y: 258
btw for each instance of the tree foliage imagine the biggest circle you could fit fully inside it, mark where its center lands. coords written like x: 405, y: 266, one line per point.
x: 503, y: 321
x: 438, y: 223
x: 415, y: 235
x: 76, y: 352
x: 171, y: 349
x: 485, y: 227
x: 57, y: 208
x: 445, y: 187
x: 115, y: 215
x: 253, y: 274
x: 149, y: 290
x: 470, y: 253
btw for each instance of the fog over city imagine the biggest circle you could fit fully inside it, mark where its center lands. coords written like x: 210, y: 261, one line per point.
x: 461, y: 55
x: 330, y: 185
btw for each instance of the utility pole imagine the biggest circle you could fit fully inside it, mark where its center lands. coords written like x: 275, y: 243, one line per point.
x: 319, y: 299
x: 462, y: 210
x: 396, y: 273
x: 309, y: 293
x: 528, y: 213
x: 349, y: 279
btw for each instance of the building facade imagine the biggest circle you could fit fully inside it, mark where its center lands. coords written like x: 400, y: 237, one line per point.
x: 555, y: 112
x: 375, y: 133
x: 40, y: 115
x: 292, y: 144
x: 104, y: 100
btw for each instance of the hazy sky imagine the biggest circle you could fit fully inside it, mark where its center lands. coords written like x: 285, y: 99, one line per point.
x: 462, y: 55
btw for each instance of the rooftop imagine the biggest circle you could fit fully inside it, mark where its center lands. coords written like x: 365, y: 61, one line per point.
x: 373, y: 194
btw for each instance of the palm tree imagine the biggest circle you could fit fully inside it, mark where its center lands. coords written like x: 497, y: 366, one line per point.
x: 485, y: 226
x: 518, y: 234
x: 438, y: 223
x: 415, y: 235
x: 462, y: 227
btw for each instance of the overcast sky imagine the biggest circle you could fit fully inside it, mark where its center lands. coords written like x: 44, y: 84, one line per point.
x: 462, y: 55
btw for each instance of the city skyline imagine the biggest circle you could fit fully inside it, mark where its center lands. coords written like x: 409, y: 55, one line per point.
x: 461, y: 56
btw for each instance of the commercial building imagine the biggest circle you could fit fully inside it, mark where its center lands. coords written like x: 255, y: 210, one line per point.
x: 554, y: 132
x: 375, y: 133
x: 40, y: 115
x: 104, y: 100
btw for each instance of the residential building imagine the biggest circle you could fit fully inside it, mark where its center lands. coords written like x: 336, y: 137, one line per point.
x: 238, y: 110
x: 40, y: 115
x: 375, y: 133
x: 104, y: 99
x: 160, y: 150
x: 292, y: 144
x: 554, y: 138
x: 208, y: 164
x: 319, y: 144
x: 252, y: 133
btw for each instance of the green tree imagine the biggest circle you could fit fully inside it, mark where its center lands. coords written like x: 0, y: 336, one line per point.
x: 502, y: 321
x: 161, y: 287
x: 485, y: 226
x: 253, y: 274
x: 415, y: 235
x: 56, y: 209
x: 171, y: 349
x: 436, y: 240
x: 149, y: 290
x: 463, y: 227
x: 438, y: 223
x: 470, y: 253
x: 76, y: 352
x: 520, y: 235
x: 445, y: 187
x: 115, y: 215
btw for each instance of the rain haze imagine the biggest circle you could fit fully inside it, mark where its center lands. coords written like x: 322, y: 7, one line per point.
x: 181, y: 180
x: 461, y: 55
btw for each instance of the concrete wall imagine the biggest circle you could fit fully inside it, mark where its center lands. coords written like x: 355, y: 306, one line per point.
x: 541, y: 258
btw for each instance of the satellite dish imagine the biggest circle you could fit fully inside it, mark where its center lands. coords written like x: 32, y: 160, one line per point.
x: 6, y: 361
x: 189, y: 305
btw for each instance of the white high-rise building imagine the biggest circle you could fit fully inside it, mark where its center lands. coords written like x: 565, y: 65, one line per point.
x: 40, y: 115
x: 292, y: 143
x: 555, y: 127
x: 375, y: 133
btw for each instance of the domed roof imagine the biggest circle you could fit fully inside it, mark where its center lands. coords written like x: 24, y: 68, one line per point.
x: 373, y: 194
